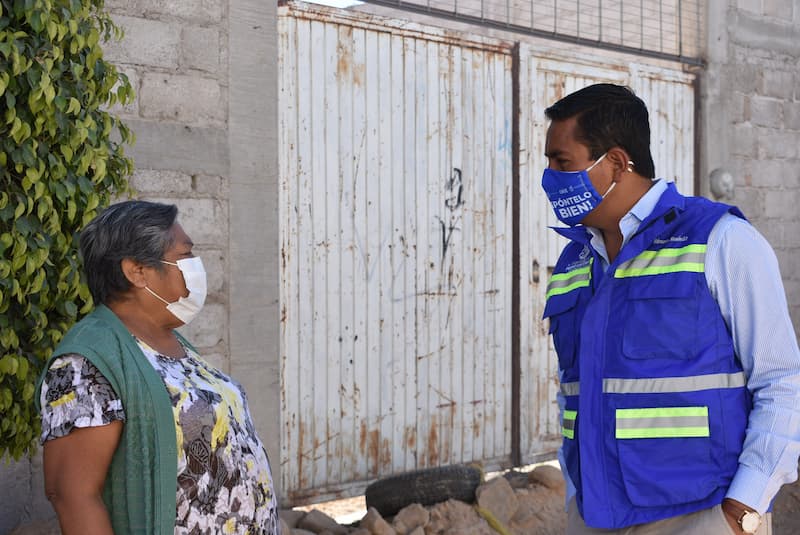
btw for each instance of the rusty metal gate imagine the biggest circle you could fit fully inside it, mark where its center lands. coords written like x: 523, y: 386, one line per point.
x: 397, y: 269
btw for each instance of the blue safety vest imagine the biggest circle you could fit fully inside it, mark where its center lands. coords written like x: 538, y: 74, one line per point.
x: 656, y: 405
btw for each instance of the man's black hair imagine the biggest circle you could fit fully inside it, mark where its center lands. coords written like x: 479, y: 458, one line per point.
x: 609, y: 116
x: 138, y: 230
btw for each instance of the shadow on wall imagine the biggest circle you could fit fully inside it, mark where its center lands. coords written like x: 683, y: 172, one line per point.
x: 22, y: 490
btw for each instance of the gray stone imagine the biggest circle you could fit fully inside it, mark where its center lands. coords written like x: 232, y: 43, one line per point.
x: 773, y: 143
x: 160, y: 182
x: 38, y: 527
x: 548, y: 476
x: 204, y: 220
x: 782, y: 10
x: 214, y: 262
x: 791, y: 115
x: 196, y: 11
x: 147, y: 42
x: 778, y: 83
x: 753, y: 6
x: 200, y: 48
x: 540, y: 511
x: 410, y: 517
x: 317, y: 521
x: 207, y: 11
x: 781, y: 203
x: 744, y: 140
x: 179, y: 147
x: 291, y: 516
x: 188, y: 99
x: 374, y: 522
x: 210, y: 185
x: 457, y: 518
x: 766, y: 111
x: 208, y: 329
x: 24, y: 505
x: 498, y: 498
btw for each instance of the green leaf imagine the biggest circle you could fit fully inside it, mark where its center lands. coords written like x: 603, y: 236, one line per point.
x: 74, y: 106
x: 5, y: 241
x: 8, y: 364
x: 59, y: 167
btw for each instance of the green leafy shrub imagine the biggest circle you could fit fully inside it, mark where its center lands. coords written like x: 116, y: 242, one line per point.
x: 61, y: 160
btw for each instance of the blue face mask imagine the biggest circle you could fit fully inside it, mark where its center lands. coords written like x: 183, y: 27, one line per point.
x: 571, y: 193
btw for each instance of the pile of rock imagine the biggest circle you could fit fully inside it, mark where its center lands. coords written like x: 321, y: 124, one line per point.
x: 515, y: 504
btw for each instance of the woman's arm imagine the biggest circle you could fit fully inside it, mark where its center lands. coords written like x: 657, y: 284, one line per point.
x: 75, y: 468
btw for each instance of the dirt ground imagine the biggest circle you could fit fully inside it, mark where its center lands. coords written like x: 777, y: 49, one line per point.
x: 785, y: 516
x: 786, y: 513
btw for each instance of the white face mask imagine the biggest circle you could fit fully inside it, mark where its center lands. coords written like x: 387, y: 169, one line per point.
x: 194, y: 277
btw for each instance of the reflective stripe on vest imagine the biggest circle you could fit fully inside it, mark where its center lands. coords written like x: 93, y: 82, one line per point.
x: 571, y: 389
x: 568, y: 424
x: 663, y: 385
x: 692, y: 383
x: 662, y: 422
x: 561, y: 283
x: 668, y: 260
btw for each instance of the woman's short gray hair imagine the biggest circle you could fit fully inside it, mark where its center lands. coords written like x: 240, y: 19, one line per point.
x: 138, y: 230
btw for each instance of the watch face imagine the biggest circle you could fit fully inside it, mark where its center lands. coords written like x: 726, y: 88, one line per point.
x: 750, y: 522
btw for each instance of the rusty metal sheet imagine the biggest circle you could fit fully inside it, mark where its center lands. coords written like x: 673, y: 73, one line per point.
x: 395, y: 184
x: 669, y: 95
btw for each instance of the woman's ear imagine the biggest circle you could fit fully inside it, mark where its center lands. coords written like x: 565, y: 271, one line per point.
x: 134, y: 272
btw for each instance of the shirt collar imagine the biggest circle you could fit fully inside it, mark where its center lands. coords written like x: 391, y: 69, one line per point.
x: 630, y: 222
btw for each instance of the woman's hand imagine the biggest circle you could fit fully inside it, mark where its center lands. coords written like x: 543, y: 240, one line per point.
x: 75, y: 468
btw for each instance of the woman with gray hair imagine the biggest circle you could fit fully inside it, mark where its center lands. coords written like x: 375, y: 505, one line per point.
x: 140, y: 434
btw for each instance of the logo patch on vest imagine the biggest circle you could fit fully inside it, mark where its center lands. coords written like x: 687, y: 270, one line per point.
x: 671, y: 239
x: 584, y: 258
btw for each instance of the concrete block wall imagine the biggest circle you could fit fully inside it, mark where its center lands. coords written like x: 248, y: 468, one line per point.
x: 750, y: 106
x: 215, y: 156
x: 174, y: 56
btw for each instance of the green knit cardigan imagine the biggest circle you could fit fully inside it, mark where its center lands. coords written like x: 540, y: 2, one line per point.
x: 141, y: 483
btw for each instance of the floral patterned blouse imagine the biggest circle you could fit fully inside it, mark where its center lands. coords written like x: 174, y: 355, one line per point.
x: 224, y: 481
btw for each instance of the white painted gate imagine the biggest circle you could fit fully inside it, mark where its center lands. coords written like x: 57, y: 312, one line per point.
x: 396, y: 243
x: 396, y: 249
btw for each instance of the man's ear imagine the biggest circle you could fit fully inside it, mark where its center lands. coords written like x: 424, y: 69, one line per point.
x: 620, y: 160
x: 134, y: 272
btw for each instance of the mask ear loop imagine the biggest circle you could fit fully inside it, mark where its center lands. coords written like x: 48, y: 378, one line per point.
x: 612, y: 186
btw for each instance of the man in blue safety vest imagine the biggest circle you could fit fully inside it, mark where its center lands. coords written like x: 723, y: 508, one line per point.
x: 679, y: 365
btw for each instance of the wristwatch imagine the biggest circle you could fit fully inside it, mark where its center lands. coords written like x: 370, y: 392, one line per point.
x: 749, y: 521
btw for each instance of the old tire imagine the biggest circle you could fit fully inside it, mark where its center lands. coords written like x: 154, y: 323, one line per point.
x: 425, y: 487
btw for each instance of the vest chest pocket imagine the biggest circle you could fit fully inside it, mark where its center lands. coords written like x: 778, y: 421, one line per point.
x: 561, y: 310
x: 661, y: 319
